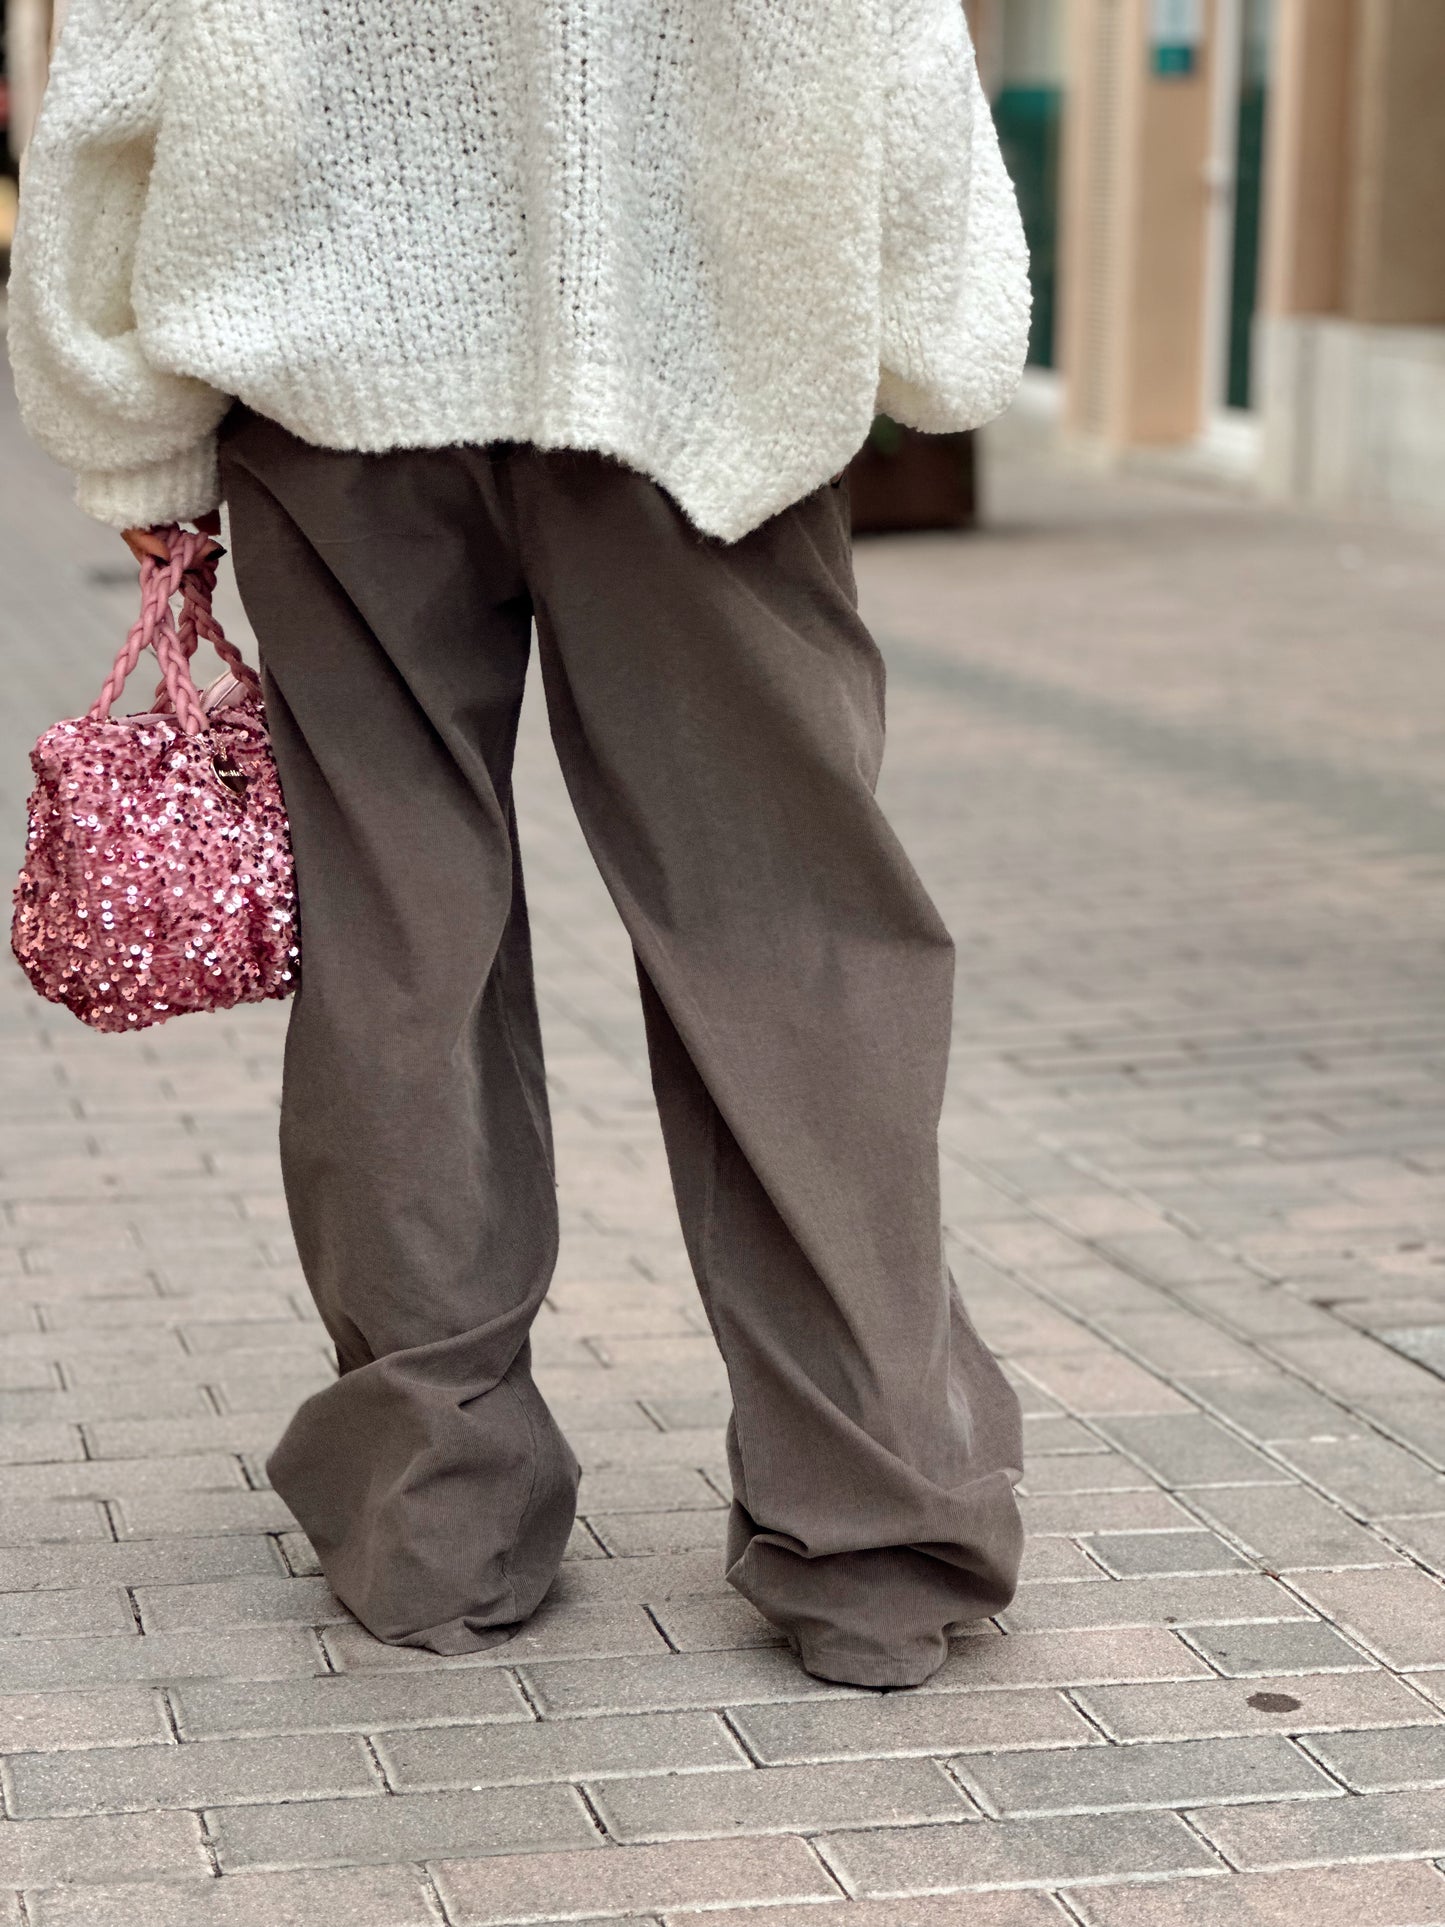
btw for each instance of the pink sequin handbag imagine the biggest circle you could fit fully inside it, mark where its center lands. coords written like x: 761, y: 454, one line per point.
x: 158, y: 876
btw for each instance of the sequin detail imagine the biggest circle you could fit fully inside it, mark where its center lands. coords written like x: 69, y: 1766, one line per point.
x: 151, y: 887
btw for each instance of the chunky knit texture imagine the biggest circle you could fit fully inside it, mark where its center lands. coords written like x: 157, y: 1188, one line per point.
x: 708, y: 237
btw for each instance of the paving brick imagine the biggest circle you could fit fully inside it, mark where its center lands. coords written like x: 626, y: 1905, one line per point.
x: 27, y: 1375
x: 588, y: 1749
x: 46, y: 1522
x: 223, y: 1603
x: 95, y: 1357
x: 36, y: 1444
x: 30, y: 1615
x: 1303, y: 1833
x: 266, y: 1390
x: 199, y: 1773
x: 1176, y: 1340
x: 646, y: 1580
x: 166, y: 1515
x: 622, y: 1450
x: 1022, y: 1853
x: 666, y: 1681
x: 646, y: 1488
x: 339, y: 1897
x: 179, y: 1562
x: 1135, y: 1554
x: 626, y: 1535
x: 118, y: 1478
x: 1423, y: 1537
x: 1370, y: 1475
x: 355, y: 1703
x: 122, y: 1716
x: 1301, y: 1646
x: 1417, y: 1422
x: 550, y: 1887
x: 1342, y: 1897
x: 403, y: 1826
x: 1388, y: 1758
x: 137, y: 1365
x: 714, y: 1625
x: 1161, y: 1773
x: 984, y: 1910
x: 38, y: 1853
x: 622, y: 1414
x: 228, y: 1309
x: 123, y: 1398
x: 610, y: 1631
x: 1151, y: 1511
x: 41, y: 1665
x: 1085, y: 1472
x: 1186, y: 1449
x: 1096, y: 1381
x: 176, y: 1437
x: 1054, y: 1557
x: 897, y: 1723
x: 1269, y: 1406
x: 1398, y: 1612
x: 1284, y: 1703
x: 1351, y: 1363
x: 781, y: 1799
x: 1065, y: 1659
x: 1168, y: 1599
x: 1051, y: 1433
x: 1292, y: 1529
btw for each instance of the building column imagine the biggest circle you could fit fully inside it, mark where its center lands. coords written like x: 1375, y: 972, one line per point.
x: 1352, y: 328
x: 1135, y: 229
x: 30, y: 30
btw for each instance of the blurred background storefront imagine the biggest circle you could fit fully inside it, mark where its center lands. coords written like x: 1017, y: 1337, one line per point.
x: 1234, y: 213
x: 1234, y: 208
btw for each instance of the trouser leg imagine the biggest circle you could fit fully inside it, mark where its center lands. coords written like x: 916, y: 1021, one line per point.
x: 718, y: 714
x: 416, y: 1150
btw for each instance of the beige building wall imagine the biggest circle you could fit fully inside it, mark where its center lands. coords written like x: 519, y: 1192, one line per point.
x: 1134, y: 232
x: 1395, y: 270
x: 1311, y: 157
x: 1352, y: 327
x: 30, y: 29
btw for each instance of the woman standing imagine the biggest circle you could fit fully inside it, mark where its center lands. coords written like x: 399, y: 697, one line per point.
x: 565, y: 314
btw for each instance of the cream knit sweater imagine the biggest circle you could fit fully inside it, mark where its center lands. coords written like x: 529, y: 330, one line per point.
x: 709, y: 237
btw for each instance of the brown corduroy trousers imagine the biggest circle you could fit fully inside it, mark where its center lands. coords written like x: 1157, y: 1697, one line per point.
x: 718, y: 714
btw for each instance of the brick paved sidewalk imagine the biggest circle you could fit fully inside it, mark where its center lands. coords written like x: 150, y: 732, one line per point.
x: 1173, y: 767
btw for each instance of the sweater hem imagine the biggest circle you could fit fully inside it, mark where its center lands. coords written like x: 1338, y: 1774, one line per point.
x: 726, y: 483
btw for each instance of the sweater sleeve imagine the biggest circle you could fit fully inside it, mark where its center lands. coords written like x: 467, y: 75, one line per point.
x: 955, y: 282
x: 141, y: 439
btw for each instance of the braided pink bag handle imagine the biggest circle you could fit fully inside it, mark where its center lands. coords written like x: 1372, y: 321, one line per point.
x: 191, y: 573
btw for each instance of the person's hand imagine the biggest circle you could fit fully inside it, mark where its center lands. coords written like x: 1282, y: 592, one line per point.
x: 150, y: 542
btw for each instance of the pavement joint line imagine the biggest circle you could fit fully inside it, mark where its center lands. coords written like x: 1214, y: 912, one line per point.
x: 1067, y: 1908
x: 1225, y: 1863
x: 1071, y: 1695
x: 431, y: 1893
x: 208, y: 1841
x: 517, y: 1675
x: 593, y: 1814
x: 377, y: 1763
x: 739, y: 1739
x: 817, y: 1845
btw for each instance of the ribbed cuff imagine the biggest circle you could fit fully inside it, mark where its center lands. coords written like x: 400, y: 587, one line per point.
x: 175, y: 490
